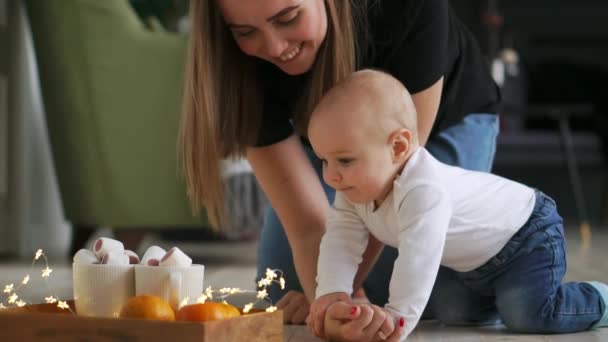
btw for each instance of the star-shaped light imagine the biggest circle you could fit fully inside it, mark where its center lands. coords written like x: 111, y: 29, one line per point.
x: 9, y: 288
x: 209, y: 292
x: 25, y: 280
x: 202, y: 299
x: 271, y: 309
x: 13, y: 298
x: 270, y: 273
x: 264, y: 282
x: 38, y: 254
x: 63, y: 305
x: 247, y: 308
x: 184, y: 301
x: 262, y: 294
x: 50, y: 299
x: 46, y: 272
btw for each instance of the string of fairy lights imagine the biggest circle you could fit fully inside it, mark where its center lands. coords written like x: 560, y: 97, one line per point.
x: 11, y: 291
x: 13, y: 297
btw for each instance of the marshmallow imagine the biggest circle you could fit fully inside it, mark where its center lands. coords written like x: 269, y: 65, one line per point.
x: 175, y: 257
x: 85, y: 256
x: 133, y: 257
x: 153, y: 254
x: 104, y: 245
x: 153, y: 262
x: 115, y: 258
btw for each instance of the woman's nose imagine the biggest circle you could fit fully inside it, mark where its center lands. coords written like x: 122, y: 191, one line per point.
x: 275, y: 45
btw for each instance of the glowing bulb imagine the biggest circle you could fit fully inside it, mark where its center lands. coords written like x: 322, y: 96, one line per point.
x: 46, y: 272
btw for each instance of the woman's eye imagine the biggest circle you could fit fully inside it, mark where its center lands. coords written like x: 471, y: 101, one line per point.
x: 243, y: 34
x: 289, y: 19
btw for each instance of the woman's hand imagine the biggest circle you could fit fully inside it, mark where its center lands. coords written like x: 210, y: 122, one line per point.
x: 317, y: 311
x: 295, y: 307
x: 373, y: 323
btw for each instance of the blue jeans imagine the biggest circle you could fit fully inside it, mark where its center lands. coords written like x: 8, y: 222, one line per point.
x: 470, y: 144
x: 522, y: 284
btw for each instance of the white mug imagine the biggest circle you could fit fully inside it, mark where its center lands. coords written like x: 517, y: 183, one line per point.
x: 102, y: 290
x: 178, y: 285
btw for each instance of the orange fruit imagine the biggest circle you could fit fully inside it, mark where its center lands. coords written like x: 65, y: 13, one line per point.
x: 148, y: 307
x: 209, y: 311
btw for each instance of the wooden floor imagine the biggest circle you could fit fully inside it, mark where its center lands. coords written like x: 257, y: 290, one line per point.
x: 233, y: 265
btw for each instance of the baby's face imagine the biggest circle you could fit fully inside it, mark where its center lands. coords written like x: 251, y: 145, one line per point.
x: 355, y: 162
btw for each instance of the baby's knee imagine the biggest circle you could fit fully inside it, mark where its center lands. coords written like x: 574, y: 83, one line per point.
x: 458, y: 312
x: 527, y: 317
x: 454, y: 316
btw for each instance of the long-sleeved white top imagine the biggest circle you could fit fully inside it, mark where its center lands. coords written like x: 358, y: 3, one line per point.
x: 436, y: 214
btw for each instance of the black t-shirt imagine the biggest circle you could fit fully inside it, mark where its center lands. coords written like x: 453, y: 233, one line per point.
x: 416, y: 41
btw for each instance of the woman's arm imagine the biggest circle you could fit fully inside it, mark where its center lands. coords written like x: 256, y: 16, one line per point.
x: 295, y: 192
x: 427, y: 105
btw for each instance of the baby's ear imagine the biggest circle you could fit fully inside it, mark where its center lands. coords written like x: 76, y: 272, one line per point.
x: 400, y: 141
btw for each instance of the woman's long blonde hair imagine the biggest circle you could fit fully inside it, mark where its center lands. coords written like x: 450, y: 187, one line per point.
x: 222, y: 100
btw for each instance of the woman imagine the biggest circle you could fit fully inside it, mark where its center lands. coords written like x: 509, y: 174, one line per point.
x: 257, y: 68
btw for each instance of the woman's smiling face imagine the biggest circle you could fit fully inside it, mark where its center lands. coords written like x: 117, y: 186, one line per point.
x: 287, y: 33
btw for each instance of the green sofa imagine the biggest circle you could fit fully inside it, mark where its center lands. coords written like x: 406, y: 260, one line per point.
x: 111, y: 91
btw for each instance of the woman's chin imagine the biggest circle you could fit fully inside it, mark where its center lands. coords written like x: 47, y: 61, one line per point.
x: 295, y: 69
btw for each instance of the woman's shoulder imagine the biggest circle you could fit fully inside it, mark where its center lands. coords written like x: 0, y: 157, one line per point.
x: 391, y: 13
x: 391, y: 23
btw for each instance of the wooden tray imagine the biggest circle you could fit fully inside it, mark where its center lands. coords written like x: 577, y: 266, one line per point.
x: 46, y: 322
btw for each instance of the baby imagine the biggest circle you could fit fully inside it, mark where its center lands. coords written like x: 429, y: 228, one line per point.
x: 503, y: 240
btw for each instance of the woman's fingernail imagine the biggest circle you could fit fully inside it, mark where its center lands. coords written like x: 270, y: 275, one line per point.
x: 401, y: 322
x: 353, y: 310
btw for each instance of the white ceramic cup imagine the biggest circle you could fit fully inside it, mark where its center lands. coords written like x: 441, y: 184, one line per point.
x: 178, y: 285
x: 102, y: 290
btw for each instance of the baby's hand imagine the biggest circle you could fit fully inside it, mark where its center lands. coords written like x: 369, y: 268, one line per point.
x: 372, y: 323
x: 317, y: 311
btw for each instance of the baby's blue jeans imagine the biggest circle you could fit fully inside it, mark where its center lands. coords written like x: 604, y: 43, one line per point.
x: 521, y: 285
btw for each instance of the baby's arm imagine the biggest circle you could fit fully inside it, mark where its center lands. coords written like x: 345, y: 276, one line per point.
x: 340, y: 254
x: 424, y: 217
x: 369, y: 258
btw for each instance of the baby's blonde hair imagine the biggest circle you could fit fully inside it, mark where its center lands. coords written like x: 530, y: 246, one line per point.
x: 375, y: 96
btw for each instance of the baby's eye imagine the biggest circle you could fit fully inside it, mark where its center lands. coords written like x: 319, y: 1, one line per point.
x: 345, y: 161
